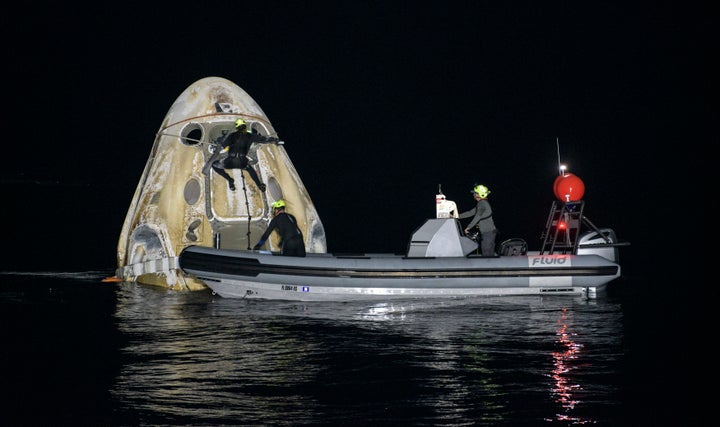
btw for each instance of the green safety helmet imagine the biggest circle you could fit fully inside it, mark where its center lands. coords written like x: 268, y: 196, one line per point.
x: 481, y: 190
x: 278, y: 204
x: 239, y: 122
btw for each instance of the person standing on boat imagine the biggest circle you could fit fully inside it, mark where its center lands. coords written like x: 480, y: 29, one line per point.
x: 291, y: 238
x: 482, y: 218
x: 237, y: 145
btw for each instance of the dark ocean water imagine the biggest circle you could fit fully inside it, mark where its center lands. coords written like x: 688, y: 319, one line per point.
x: 76, y: 351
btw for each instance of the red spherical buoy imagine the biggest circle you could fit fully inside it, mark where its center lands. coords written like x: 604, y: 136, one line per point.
x: 569, y: 188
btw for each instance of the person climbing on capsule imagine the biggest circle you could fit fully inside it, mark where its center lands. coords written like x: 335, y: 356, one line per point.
x: 237, y: 144
x: 291, y: 238
x: 482, y: 218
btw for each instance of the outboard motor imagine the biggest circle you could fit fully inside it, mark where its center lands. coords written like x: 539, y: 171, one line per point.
x: 602, y: 242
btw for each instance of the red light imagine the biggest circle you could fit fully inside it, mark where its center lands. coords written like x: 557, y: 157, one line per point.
x: 562, y: 225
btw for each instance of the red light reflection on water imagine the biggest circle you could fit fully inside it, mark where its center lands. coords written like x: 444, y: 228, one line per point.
x: 563, y: 389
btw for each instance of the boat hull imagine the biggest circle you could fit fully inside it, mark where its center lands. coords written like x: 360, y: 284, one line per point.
x: 326, y: 277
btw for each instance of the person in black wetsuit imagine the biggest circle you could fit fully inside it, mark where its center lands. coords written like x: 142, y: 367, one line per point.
x: 237, y: 145
x: 291, y: 238
x: 482, y: 218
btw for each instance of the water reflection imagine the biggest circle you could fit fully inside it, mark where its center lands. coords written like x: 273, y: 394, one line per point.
x: 563, y: 388
x: 204, y: 359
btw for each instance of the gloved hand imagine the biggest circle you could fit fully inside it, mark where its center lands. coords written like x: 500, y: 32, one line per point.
x: 256, y: 247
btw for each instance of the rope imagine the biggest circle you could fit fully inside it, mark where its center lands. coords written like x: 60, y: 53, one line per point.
x: 247, y: 207
x: 181, y: 137
x: 233, y: 116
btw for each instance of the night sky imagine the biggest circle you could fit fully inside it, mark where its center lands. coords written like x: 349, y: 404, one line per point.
x: 377, y: 104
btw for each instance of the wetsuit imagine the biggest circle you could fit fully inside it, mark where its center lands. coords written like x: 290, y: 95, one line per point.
x: 482, y: 217
x: 291, y: 238
x: 238, y: 144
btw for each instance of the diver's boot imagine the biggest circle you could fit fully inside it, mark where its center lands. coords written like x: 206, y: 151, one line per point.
x: 231, y: 183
